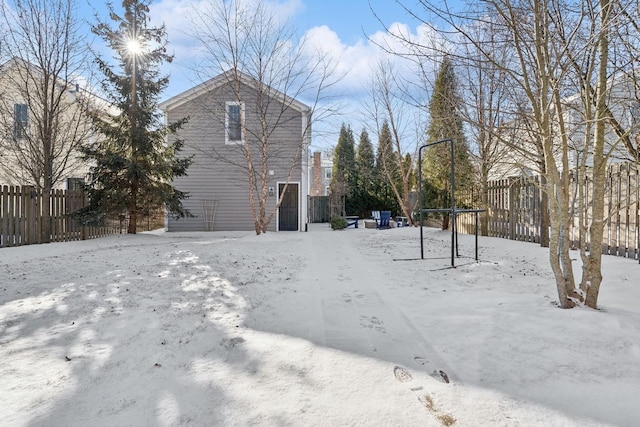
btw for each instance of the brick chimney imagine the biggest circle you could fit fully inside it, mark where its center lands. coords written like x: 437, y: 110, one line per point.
x: 316, y: 186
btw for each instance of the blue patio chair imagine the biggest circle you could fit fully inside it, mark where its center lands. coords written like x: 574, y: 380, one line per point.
x: 385, y: 216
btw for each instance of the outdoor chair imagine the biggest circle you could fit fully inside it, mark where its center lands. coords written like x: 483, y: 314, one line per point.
x: 375, y: 215
x: 385, y: 217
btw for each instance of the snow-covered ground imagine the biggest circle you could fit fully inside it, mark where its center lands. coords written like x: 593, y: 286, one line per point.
x: 324, y: 328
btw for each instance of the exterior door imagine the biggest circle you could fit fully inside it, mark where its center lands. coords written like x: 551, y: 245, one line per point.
x: 288, y: 211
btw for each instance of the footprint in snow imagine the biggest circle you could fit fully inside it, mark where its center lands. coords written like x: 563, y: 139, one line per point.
x: 402, y: 374
x: 372, y: 323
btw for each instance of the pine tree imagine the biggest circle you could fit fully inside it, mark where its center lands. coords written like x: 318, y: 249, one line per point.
x: 133, y: 164
x: 386, y: 170
x: 343, y: 178
x: 365, y: 171
x: 446, y: 123
x: 408, y: 165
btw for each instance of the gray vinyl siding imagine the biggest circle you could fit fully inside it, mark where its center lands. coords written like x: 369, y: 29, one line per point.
x: 210, y: 177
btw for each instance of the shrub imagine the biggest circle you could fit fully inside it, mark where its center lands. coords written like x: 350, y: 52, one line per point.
x: 338, y: 223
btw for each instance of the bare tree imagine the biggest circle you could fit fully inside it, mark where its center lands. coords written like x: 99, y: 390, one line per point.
x: 248, y: 42
x: 542, y: 36
x: 625, y: 59
x: 595, y: 89
x: 42, y: 124
x: 539, y: 69
x: 390, y: 103
x: 486, y: 110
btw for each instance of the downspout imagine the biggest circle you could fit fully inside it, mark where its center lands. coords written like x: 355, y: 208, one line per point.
x: 304, y: 167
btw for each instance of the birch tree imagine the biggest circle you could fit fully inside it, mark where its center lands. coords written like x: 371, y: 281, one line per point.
x: 594, y: 83
x: 245, y: 38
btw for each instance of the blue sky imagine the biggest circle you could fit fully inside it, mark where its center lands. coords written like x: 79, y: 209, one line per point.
x: 351, y: 19
x: 342, y: 27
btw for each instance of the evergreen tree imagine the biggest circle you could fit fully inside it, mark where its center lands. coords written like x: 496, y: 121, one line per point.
x: 446, y: 123
x: 387, y: 171
x: 408, y: 164
x: 343, y: 178
x: 133, y: 164
x: 365, y: 171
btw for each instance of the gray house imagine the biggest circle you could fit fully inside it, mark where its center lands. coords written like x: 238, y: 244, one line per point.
x: 233, y: 117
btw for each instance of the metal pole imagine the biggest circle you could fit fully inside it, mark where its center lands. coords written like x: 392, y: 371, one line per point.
x: 420, y: 198
x: 457, y: 245
x: 420, y: 201
x: 476, y: 235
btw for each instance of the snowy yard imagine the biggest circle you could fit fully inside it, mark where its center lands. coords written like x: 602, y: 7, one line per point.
x: 324, y: 328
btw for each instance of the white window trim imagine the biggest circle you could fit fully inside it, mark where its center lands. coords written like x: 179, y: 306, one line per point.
x: 228, y: 141
x: 20, y: 127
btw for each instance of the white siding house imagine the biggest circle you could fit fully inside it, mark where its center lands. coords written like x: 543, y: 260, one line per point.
x: 522, y: 157
x: 21, y: 126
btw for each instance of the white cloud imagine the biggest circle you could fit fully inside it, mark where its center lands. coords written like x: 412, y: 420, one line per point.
x: 175, y: 15
x: 286, y: 9
x: 178, y: 16
x: 355, y: 61
x: 358, y: 61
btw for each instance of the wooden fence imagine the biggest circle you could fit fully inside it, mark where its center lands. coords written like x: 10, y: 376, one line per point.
x: 514, y: 210
x: 318, y: 207
x: 21, y: 217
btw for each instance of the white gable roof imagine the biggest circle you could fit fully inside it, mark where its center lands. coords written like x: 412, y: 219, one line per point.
x: 226, y: 78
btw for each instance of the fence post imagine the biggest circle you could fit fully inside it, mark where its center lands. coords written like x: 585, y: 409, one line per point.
x: 512, y: 213
x: 4, y: 214
x: 31, y: 213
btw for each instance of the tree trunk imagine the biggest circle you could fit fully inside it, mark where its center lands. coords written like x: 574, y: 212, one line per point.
x: 544, y: 213
x: 133, y: 209
x: 555, y: 249
x: 445, y: 221
x: 45, y: 228
x: 593, y: 274
x: 46, y: 190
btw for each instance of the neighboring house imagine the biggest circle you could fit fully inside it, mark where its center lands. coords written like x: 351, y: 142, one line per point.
x: 20, y: 146
x: 622, y: 146
x: 320, y: 172
x: 224, y: 114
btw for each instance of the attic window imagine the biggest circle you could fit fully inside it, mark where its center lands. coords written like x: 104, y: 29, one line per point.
x: 233, y: 122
